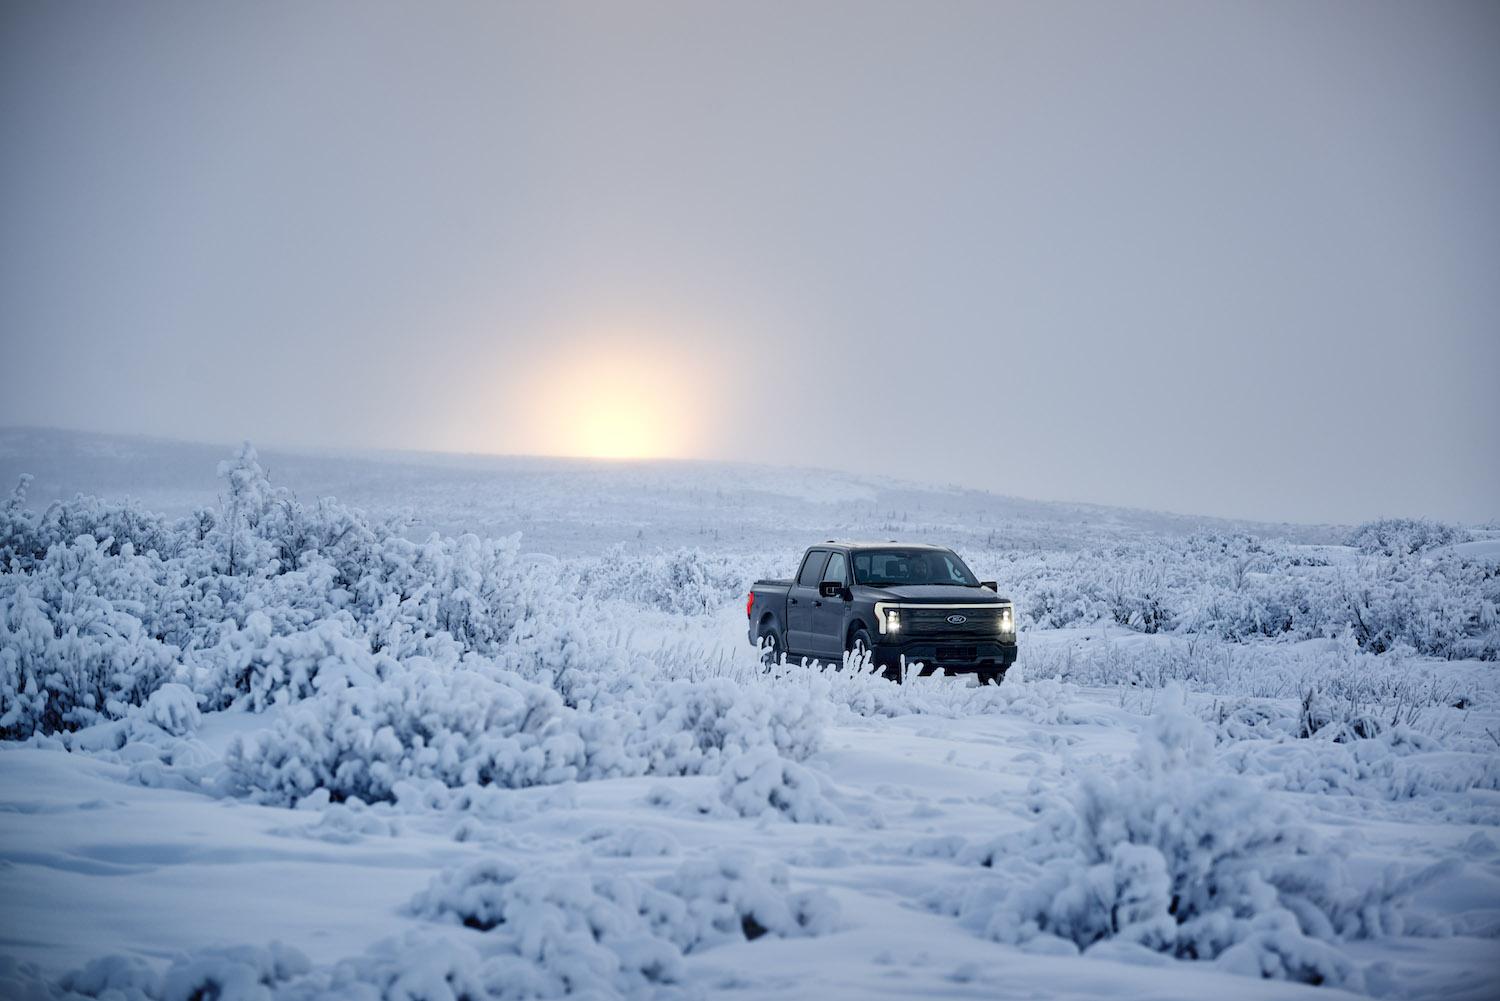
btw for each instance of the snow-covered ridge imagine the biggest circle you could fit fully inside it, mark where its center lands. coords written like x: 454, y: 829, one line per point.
x: 579, y: 506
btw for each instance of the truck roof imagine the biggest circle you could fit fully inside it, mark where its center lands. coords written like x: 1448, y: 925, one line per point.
x: 876, y: 544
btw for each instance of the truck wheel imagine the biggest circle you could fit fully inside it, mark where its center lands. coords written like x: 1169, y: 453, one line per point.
x: 771, y: 647
x: 992, y: 676
x: 859, y: 648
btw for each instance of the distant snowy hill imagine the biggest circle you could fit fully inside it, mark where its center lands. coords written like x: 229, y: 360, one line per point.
x: 577, y: 506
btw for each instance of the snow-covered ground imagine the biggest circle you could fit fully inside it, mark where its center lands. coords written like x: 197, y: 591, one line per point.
x: 1234, y: 760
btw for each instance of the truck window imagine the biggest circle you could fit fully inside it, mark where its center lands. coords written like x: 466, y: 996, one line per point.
x: 838, y: 569
x: 812, y: 568
x: 911, y: 566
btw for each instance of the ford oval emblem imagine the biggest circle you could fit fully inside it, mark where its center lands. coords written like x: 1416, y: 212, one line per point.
x: 958, y: 620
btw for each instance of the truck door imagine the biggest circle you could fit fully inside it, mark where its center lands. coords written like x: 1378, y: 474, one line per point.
x: 829, y: 613
x: 799, y: 603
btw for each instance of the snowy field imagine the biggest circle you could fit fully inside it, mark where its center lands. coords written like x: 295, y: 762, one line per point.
x: 490, y: 728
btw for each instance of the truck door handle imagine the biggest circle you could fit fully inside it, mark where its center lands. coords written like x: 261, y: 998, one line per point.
x: 817, y: 604
x: 791, y: 601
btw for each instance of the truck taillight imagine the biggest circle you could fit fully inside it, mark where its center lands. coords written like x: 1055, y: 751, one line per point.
x: 750, y: 604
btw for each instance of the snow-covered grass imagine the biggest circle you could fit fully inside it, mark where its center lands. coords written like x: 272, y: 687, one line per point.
x: 264, y: 747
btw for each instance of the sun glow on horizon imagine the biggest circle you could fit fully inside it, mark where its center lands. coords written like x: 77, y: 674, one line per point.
x: 616, y: 419
x: 613, y: 398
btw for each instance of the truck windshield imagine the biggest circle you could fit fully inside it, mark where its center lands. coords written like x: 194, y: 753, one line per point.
x: 911, y: 566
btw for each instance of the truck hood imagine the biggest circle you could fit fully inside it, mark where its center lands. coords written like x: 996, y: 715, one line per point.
x: 937, y: 594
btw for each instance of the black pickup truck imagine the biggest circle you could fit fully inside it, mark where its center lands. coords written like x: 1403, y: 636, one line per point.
x: 887, y: 601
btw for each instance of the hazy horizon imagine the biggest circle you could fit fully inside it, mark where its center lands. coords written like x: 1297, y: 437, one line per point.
x: 270, y: 449
x: 1234, y: 260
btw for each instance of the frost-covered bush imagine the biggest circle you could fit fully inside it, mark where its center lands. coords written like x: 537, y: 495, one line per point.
x: 481, y: 725
x: 537, y: 934
x: 174, y: 708
x: 410, y: 969
x: 860, y: 690
x: 731, y: 895
x: 267, y: 601
x: 1403, y: 536
x: 689, y: 728
x: 1394, y: 765
x: 257, y: 668
x: 1176, y: 856
x: 688, y: 581
x: 1347, y: 683
x: 1445, y: 606
x: 761, y: 783
x: 726, y: 897
x: 25, y: 537
x: 612, y: 931
x: 69, y: 659
x: 458, y: 727
x: 238, y: 973
x: 1393, y: 587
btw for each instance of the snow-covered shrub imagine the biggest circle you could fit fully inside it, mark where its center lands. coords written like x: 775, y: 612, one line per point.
x: 760, y: 783
x: 1402, y: 536
x: 420, y: 967
x: 538, y: 934
x: 689, y: 728
x: 726, y: 897
x: 256, y: 668
x: 474, y: 895
x: 1180, y: 858
x: 268, y: 601
x: 1394, y: 586
x: 238, y: 973
x: 579, y: 931
x: 731, y: 896
x: 174, y: 708
x: 1443, y: 606
x: 68, y: 659
x: 1348, y: 682
x: 417, y: 967
x: 19, y: 544
x: 458, y: 727
x: 1397, y: 764
x: 687, y: 581
x: 125, y: 977
x: 25, y: 537
x: 862, y: 691
x: 478, y: 724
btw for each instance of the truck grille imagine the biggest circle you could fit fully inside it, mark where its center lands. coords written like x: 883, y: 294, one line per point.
x: 957, y: 654
x: 934, y: 621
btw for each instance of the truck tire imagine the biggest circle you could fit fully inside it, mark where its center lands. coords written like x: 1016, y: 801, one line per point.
x: 992, y: 676
x: 772, y: 649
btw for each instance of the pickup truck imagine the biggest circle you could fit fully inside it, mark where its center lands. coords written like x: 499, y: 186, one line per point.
x: 914, y: 605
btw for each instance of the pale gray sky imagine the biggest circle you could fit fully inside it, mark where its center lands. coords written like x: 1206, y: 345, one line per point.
x: 1234, y: 259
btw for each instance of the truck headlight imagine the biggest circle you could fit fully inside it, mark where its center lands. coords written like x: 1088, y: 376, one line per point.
x: 1007, y: 621
x: 893, y: 620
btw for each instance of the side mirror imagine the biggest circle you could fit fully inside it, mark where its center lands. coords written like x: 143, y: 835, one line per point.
x: 831, y: 589
x: 993, y: 585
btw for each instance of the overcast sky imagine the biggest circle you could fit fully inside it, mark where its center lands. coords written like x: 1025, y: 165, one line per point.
x: 1236, y: 259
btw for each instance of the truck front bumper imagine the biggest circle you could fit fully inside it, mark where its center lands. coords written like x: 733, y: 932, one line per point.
x: 958, y: 656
